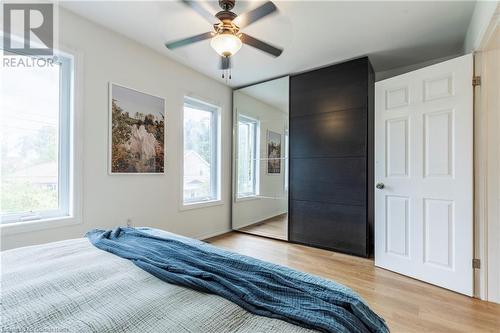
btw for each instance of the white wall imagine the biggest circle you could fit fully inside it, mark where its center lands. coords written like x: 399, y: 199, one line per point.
x: 272, y: 199
x: 481, y: 17
x: 483, y: 12
x: 148, y: 200
x: 405, y: 69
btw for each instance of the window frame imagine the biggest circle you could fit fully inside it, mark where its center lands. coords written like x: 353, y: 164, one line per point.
x: 256, y: 161
x: 69, y: 149
x: 215, y: 170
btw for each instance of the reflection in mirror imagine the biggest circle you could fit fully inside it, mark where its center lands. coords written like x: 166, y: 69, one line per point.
x: 260, y: 168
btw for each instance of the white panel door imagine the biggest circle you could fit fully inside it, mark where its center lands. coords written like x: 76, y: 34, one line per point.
x: 423, y: 170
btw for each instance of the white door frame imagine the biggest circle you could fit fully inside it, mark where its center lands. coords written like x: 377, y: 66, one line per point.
x: 487, y: 165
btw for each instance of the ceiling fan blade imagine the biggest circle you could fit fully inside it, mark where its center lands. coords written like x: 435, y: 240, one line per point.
x: 225, y: 63
x: 258, y: 44
x: 254, y: 15
x: 190, y: 40
x: 197, y: 7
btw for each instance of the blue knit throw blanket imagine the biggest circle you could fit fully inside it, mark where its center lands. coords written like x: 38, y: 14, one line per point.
x: 257, y: 286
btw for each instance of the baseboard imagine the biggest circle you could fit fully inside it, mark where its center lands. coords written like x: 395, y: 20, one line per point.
x: 260, y: 219
x: 212, y: 234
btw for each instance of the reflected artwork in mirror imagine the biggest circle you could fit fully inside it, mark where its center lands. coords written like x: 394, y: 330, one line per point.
x: 260, y: 166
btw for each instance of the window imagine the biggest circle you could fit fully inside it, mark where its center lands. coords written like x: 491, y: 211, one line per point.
x: 36, y: 136
x: 201, y: 176
x: 248, y: 137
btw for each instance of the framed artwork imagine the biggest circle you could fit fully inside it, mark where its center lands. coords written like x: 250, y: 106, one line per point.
x: 273, y: 152
x: 136, y: 133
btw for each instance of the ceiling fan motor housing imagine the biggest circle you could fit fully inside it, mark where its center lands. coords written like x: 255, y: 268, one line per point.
x: 225, y: 15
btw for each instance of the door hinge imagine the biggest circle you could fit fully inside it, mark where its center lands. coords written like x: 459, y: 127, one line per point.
x: 476, y: 263
x: 476, y: 81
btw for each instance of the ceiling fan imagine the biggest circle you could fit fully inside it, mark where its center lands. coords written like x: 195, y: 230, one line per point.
x: 226, y: 37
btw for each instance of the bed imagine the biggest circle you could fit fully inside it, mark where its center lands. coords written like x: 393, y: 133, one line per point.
x: 72, y: 286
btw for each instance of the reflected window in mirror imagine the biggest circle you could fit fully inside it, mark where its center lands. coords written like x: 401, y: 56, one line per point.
x: 248, y: 152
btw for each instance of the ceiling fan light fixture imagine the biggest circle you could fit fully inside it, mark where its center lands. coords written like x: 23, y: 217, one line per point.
x: 226, y: 44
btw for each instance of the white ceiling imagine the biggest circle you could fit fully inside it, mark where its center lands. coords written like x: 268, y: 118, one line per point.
x: 313, y: 34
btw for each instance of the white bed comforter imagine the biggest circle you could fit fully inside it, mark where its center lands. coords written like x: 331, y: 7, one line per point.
x: 71, y: 286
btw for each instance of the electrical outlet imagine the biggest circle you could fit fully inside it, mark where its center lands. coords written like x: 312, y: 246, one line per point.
x: 129, y: 222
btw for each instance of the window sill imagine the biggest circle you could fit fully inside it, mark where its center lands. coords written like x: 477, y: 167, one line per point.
x: 201, y: 204
x: 28, y: 226
x: 247, y: 198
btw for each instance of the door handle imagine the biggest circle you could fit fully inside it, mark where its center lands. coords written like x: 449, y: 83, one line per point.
x: 380, y: 186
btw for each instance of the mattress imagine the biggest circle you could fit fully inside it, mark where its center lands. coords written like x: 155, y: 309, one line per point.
x: 71, y: 286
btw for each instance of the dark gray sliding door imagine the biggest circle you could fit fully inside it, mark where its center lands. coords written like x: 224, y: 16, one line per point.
x: 331, y: 149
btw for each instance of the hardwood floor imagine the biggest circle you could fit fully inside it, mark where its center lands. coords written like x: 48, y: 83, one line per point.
x: 406, y: 304
x: 275, y: 227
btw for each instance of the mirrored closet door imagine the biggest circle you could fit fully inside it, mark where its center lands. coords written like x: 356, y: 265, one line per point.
x: 260, y: 164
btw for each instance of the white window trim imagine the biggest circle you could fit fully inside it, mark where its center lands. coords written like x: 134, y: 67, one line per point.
x: 256, y: 193
x: 74, y: 203
x: 218, y: 170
